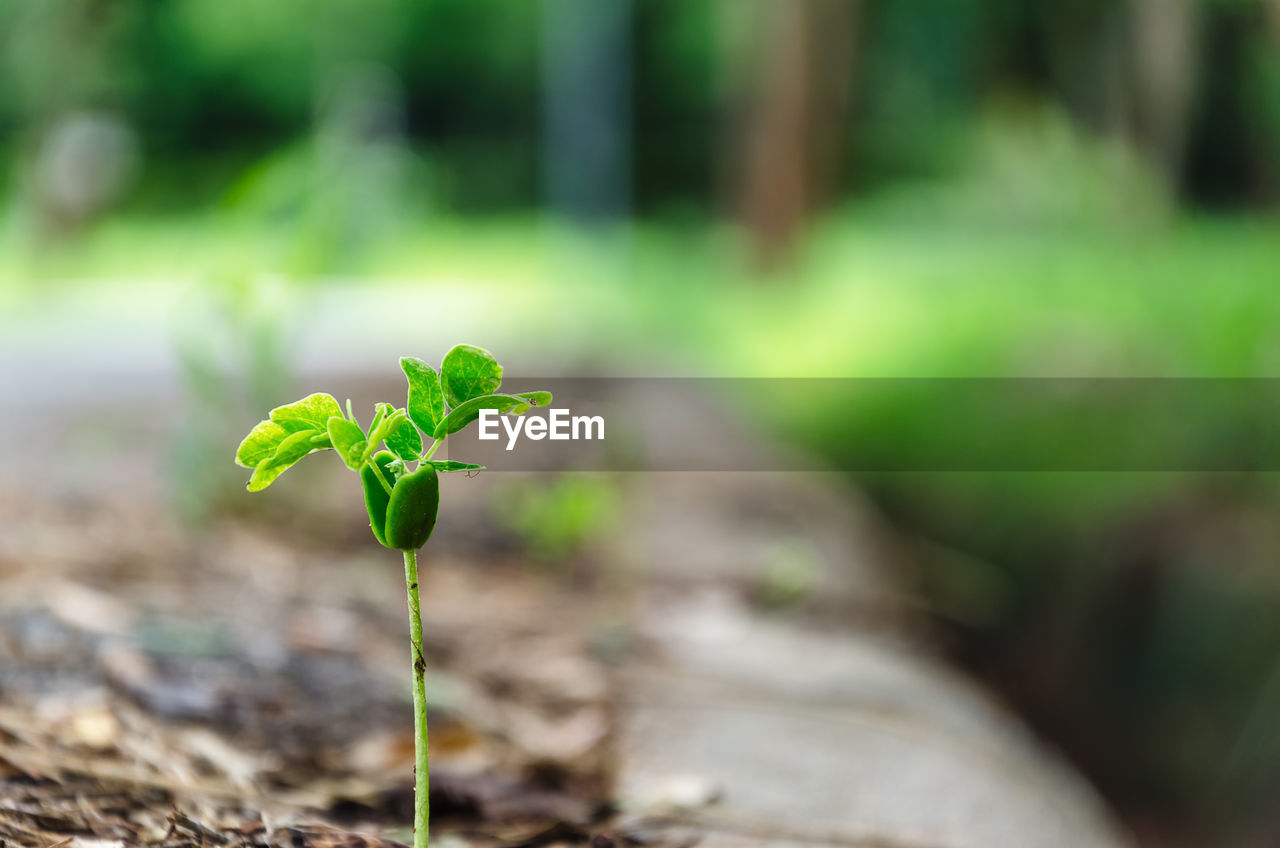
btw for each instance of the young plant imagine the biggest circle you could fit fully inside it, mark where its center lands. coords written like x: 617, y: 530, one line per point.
x: 402, y: 500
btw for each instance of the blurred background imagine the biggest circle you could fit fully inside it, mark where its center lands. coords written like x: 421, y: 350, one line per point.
x: 226, y: 196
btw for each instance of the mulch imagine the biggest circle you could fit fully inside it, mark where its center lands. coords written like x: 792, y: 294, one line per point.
x: 240, y: 686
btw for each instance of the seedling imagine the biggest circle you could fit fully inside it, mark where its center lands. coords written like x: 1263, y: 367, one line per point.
x: 402, y: 501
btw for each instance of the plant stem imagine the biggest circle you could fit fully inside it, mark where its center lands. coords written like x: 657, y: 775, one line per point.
x: 437, y: 443
x: 377, y: 472
x: 422, y: 782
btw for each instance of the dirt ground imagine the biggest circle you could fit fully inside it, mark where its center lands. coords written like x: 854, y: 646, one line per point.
x: 247, y: 686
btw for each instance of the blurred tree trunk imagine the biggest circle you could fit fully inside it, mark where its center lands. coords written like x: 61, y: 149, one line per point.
x: 1165, y: 68
x: 1131, y: 71
x: 1269, y: 86
x: 59, y: 60
x: 587, y: 109
x: 794, y: 78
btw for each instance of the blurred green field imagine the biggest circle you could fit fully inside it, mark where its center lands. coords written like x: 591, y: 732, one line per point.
x: 871, y: 295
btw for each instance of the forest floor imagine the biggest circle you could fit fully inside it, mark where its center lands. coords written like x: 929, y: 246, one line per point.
x: 245, y: 686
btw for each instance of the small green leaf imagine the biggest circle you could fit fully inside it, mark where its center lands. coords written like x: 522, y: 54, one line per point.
x: 385, y: 422
x: 536, y: 398
x: 426, y: 399
x: 376, y: 497
x: 444, y: 466
x: 404, y: 440
x: 379, y: 412
x: 292, y: 449
x: 311, y: 413
x: 467, y: 372
x: 348, y: 439
x: 469, y: 411
x: 261, y: 444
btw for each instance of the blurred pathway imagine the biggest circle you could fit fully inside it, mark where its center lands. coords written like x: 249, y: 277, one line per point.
x: 825, y: 724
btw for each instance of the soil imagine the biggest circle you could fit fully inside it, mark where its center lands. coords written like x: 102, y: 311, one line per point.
x: 245, y: 685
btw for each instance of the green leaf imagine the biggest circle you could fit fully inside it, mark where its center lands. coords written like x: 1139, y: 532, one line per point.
x: 536, y: 398
x: 444, y: 466
x: 376, y: 497
x: 380, y: 411
x: 468, y: 372
x: 292, y: 449
x: 469, y: 411
x: 384, y: 423
x: 404, y: 441
x: 348, y: 439
x: 311, y: 413
x: 426, y: 399
x: 261, y: 444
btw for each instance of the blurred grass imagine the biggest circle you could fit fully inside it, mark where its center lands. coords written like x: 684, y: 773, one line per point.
x: 869, y: 297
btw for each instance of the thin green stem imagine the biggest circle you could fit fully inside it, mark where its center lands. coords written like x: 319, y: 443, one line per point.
x: 377, y: 472
x: 437, y: 443
x: 422, y: 782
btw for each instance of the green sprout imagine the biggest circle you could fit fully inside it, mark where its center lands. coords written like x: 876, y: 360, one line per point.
x: 402, y: 501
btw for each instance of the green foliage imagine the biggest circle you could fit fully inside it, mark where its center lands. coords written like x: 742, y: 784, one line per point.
x: 535, y: 398
x: 311, y: 413
x: 468, y: 372
x: 426, y: 400
x: 404, y: 440
x: 385, y: 422
x: 380, y: 411
x: 446, y: 465
x: 470, y: 410
x: 401, y: 502
x: 348, y: 440
x: 559, y: 520
x: 261, y: 444
x: 293, y: 448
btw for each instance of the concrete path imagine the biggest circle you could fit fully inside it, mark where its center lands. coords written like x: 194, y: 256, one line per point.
x: 828, y: 723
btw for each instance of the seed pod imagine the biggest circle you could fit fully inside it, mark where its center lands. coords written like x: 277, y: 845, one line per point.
x: 376, y: 498
x: 411, y: 513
